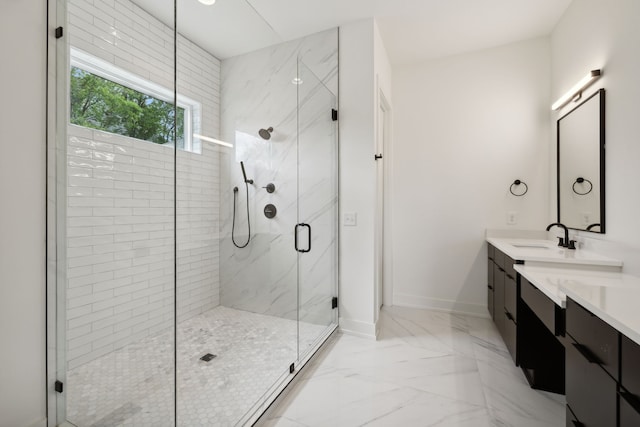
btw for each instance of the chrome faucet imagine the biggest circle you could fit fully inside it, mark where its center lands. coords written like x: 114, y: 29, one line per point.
x: 565, y: 243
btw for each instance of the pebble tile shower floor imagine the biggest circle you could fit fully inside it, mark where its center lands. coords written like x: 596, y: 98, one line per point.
x: 133, y: 386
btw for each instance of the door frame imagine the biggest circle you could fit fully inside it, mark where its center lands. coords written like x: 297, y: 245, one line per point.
x: 383, y: 287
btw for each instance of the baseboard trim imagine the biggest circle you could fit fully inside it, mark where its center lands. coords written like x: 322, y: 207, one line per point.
x: 40, y: 423
x: 454, y: 307
x: 358, y: 328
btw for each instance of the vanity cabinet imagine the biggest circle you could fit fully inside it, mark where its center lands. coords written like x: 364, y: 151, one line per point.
x: 591, y: 392
x: 629, y: 413
x: 592, y: 368
x: 593, y: 337
x: 510, y: 311
x: 629, y: 383
x: 603, y: 372
x: 541, y: 325
x: 550, y: 314
x: 490, y: 282
x: 503, y: 296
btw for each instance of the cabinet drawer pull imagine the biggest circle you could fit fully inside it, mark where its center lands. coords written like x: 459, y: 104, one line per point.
x: 501, y: 269
x: 586, y: 354
x: 490, y: 287
x: 577, y: 423
x: 631, y: 399
x: 509, y: 315
x: 511, y: 277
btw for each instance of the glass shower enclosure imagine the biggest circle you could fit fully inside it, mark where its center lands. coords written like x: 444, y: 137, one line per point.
x: 196, y: 203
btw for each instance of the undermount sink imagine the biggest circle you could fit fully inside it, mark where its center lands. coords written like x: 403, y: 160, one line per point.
x: 530, y: 246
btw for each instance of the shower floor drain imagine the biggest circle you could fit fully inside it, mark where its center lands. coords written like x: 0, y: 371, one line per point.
x: 208, y: 357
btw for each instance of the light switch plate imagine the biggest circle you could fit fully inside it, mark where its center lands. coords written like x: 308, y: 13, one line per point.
x: 512, y: 218
x: 350, y: 219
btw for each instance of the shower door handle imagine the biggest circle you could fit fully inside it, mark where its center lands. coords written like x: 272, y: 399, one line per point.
x: 295, y: 237
x: 309, y: 241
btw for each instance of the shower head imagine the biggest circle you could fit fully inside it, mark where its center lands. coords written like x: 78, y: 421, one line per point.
x: 265, y: 133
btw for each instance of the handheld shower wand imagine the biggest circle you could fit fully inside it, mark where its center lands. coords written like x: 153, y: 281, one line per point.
x: 233, y: 224
x: 244, y: 174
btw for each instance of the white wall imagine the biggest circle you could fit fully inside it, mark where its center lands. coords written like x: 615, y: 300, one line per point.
x: 357, y: 176
x: 594, y: 34
x: 381, y: 65
x: 465, y: 127
x: 382, y: 96
x: 22, y: 212
x: 365, y: 71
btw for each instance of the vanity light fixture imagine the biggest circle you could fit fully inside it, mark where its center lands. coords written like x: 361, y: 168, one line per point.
x: 207, y: 2
x: 215, y: 141
x: 576, y: 91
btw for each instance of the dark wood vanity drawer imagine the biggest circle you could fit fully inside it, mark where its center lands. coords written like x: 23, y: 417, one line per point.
x: 595, y: 336
x: 629, y: 411
x: 591, y: 392
x: 510, y: 338
x: 510, y: 298
x: 630, y: 366
x: 490, y: 306
x: 490, y: 265
x: 491, y: 250
x: 498, y: 258
x: 543, y: 307
x: 498, y: 298
x: 490, y: 288
x: 508, y: 267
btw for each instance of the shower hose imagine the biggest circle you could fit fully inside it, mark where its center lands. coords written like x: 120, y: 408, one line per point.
x: 233, y: 223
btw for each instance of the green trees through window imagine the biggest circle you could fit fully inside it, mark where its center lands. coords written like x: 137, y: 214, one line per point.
x: 101, y: 104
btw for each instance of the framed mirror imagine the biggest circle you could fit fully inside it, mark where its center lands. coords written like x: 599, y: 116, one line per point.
x: 581, y: 174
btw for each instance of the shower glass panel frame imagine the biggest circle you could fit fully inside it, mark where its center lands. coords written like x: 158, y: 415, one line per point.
x: 317, y: 210
x: 139, y: 232
x: 114, y: 287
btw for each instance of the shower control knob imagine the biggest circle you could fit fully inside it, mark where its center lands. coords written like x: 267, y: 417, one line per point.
x: 270, y: 187
x: 270, y: 211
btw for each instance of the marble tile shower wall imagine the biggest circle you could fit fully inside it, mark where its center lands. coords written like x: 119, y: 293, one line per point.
x: 120, y: 197
x: 257, y: 92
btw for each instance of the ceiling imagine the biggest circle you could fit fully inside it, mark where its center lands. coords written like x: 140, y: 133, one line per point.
x: 412, y: 30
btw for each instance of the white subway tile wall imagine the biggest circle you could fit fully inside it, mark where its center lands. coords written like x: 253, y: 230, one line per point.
x: 120, y: 195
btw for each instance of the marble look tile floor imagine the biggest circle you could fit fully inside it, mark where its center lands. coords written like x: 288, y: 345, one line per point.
x: 134, y: 385
x: 427, y: 369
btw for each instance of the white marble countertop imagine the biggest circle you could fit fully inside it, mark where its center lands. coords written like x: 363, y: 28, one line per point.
x: 546, y: 280
x: 615, y: 301
x: 548, y: 251
x: 614, y: 297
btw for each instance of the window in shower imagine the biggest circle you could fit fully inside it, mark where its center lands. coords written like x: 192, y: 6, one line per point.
x: 107, y: 98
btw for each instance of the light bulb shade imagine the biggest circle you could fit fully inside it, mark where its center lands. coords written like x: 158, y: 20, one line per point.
x: 576, y: 89
x: 207, y: 2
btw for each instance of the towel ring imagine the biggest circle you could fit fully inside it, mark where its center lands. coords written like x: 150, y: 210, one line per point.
x: 516, y: 183
x: 581, y: 180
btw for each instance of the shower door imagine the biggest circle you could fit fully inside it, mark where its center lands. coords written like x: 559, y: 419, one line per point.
x: 317, y: 230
